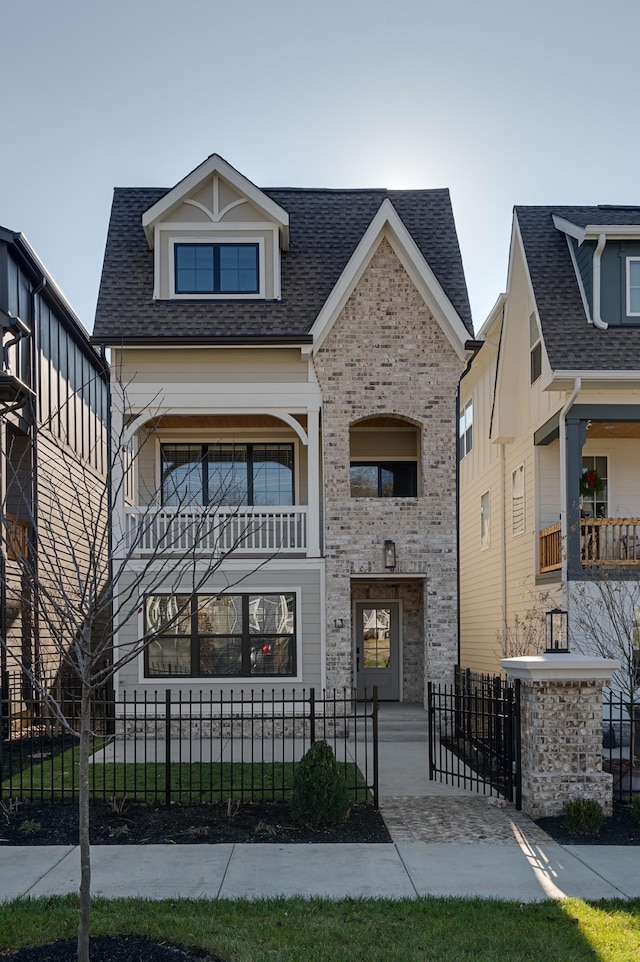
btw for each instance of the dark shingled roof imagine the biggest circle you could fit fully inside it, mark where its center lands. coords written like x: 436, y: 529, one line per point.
x: 571, y: 342
x: 325, y: 228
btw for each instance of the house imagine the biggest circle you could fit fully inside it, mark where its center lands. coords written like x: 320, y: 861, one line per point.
x: 287, y: 362
x: 549, y: 434
x: 53, y: 458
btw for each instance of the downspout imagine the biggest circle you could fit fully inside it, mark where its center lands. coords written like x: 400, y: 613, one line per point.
x: 597, y: 320
x: 503, y: 544
x: 577, y: 384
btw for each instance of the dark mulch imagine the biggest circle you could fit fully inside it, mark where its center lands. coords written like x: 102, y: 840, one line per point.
x: 112, y: 949
x: 56, y: 823
x: 620, y: 829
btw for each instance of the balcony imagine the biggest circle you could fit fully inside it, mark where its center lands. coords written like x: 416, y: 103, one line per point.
x: 218, y: 531
x: 603, y: 541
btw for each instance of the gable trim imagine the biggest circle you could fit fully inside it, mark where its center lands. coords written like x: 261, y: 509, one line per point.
x: 211, y: 166
x: 387, y: 223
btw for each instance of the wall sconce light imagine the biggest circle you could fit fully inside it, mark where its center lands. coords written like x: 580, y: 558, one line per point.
x: 390, y: 555
x: 557, y: 631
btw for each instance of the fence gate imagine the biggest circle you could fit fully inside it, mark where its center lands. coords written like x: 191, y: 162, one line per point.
x: 474, y: 734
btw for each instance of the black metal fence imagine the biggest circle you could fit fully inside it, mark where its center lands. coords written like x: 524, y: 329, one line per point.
x: 474, y: 734
x: 188, y: 746
x: 621, y: 744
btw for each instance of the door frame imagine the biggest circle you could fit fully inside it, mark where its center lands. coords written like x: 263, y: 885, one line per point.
x: 377, y: 603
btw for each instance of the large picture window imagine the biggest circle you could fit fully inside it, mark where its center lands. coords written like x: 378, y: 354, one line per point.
x: 216, y: 269
x: 384, y: 479
x: 220, y: 636
x: 233, y: 474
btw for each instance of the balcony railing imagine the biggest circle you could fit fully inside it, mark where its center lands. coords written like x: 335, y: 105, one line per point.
x: 200, y: 530
x: 17, y: 538
x: 603, y: 541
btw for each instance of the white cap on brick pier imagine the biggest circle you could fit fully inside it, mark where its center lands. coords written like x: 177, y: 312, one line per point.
x: 560, y: 667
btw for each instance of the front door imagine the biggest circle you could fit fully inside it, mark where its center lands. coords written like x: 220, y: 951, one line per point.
x: 378, y: 648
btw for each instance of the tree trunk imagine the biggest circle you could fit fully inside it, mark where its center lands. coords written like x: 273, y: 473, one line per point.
x: 83, y: 813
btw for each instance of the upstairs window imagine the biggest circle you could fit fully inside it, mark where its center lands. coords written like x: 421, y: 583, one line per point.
x: 517, y: 501
x: 535, y: 346
x: 216, y: 269
x: 485, y: 520
x: 384, y: 479
x: 465, y: 431
x: 227, y: 474
x: 633, y: 286
x: 383, y: 456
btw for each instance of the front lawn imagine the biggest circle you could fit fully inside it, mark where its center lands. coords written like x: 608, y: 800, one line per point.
x: 424, y: 930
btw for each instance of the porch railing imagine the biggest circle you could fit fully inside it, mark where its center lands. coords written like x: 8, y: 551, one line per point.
x: 603, y: 541
x: 249, y: 530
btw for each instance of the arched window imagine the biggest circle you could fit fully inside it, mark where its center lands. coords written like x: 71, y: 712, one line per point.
x: 384, y: 455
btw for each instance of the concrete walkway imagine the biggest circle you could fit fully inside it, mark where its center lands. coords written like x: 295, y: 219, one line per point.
x: 445, y: 842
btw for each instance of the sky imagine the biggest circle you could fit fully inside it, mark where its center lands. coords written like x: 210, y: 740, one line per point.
x: 501, y: 101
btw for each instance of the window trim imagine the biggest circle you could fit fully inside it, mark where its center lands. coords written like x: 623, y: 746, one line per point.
x: 143, y: 658
x: 223, y: 240
x: 465, y: 435
x: 629, y: 261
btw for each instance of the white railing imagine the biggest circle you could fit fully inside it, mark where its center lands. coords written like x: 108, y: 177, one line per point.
x: 257, y: 531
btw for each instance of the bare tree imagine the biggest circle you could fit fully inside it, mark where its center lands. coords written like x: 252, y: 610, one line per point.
x: 524, y: 634
x: 74, y: 581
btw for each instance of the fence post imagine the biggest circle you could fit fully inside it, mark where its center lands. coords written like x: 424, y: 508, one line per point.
x: 375, y: 746
x: 167, y: 747
x: 312, y: 715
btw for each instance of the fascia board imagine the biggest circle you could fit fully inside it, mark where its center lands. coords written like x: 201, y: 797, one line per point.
x: 612, y: 231
x: 388, y: 222
x: 567, y: 227
x: 495, y: 314
x: 516, y: 239
x: 613, y: 376
x: 212, y: 165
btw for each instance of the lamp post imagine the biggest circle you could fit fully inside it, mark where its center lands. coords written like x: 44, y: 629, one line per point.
x: 557, y: 632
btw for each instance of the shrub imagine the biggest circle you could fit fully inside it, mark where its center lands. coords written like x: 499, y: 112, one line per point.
x: 635, y: 808
x: 319, y: 794
x: 583, y: 816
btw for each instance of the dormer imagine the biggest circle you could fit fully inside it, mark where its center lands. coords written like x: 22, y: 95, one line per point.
x: 216, y: 236
x: 606, y: 258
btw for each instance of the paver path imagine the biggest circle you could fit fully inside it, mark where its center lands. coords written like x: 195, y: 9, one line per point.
x: 469, y: 819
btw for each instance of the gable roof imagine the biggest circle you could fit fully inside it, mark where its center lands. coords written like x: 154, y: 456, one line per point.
x: 325, y: 229
x: 572, y: 344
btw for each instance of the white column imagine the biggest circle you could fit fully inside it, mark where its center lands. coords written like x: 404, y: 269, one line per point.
x: 117, y: 466
x: 313, y: 483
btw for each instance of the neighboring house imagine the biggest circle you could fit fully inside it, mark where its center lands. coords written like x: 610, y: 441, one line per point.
x: 53, y: 451
x: 288, y: 361
x: 550, y: 428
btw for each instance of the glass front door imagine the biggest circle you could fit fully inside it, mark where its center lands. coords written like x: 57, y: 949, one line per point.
x: 378, y: 649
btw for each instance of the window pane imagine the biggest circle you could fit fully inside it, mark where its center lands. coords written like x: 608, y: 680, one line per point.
x: 634, y: 286
x: 272, y: 656
x: 398, y: 480
x: 272, y: 474
x: 169, y: 614
x: 220, y: 656
x: 220, y: 616
x: 271, y: 614
x: 169, y: 656
x: 376, y: 637
x: 227, y: 467
x: 194, y: 265
x: 364, y: 480
x: 181, y: 474
x: 238, y: 268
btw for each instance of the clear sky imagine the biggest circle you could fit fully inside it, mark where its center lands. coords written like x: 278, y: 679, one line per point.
x: 504, y: 102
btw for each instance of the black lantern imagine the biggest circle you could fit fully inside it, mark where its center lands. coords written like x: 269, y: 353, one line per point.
x: 557, y: 631
x: 390, y: 555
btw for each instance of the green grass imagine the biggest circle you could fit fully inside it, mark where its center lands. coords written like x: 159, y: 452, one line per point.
x: 58, y: 777
x: 424, y: 930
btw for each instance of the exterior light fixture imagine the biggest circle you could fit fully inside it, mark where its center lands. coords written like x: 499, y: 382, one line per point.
x: 390, y: 555
x: 557, y: 631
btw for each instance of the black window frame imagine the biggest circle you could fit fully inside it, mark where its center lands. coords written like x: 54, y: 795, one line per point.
x: 382, y: 465
x: 246, y: 636
x: 207, y: 497
x: 216, y: 248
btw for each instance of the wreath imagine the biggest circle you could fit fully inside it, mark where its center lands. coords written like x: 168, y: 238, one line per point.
x: 590, y: 483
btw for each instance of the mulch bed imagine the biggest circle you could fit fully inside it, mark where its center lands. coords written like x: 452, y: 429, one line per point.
x: 620, y: 829
x: 56, y: 823
x: 113, y: 949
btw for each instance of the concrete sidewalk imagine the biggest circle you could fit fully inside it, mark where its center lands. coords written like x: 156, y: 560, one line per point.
x: 522, y: 872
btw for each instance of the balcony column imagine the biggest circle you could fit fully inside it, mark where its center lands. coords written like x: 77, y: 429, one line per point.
x: 313, y: 482
x: 576, y: 437
x: 116, y: 468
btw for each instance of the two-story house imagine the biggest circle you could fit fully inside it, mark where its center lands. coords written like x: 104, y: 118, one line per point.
x: 549, y: 428
x: 53, y: 464
x: 287, y: 362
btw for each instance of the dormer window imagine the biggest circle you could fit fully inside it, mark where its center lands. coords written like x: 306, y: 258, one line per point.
x: 633, y: 286
x: 216, y: 269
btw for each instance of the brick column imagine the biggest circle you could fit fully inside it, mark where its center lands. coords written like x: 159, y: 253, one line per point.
x: 561, y: 728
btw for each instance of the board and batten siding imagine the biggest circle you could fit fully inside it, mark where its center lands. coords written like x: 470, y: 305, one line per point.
x: 306, y: 579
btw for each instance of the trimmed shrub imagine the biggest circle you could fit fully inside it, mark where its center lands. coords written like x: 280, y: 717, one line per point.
x: 319, y: 796
x: 583, y: 816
